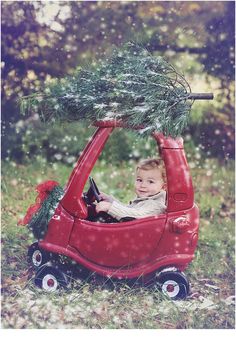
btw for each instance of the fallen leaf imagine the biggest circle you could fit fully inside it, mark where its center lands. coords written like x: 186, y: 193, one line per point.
x: 215, y: 288
x: 230, y: 300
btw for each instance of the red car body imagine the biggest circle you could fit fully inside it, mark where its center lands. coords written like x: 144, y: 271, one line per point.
x: 134, y: 248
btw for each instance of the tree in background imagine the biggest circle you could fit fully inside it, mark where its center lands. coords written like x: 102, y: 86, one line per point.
x: 210, y: 37
x: 35, y: 50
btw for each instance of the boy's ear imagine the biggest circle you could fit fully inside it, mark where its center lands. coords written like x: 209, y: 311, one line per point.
x: 164, y: 186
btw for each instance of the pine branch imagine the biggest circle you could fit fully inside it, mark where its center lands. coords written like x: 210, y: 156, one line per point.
x: 131, y: 85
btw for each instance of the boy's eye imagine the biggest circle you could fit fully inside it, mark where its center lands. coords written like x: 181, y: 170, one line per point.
x: 138, y: 180
x: 150, y: 182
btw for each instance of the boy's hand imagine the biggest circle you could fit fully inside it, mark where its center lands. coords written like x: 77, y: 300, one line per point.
x: 103, y: 206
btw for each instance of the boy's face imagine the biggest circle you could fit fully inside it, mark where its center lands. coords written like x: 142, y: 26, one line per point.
x: 148, y: 182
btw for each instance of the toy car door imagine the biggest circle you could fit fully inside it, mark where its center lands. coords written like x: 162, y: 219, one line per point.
x: 118, y: 244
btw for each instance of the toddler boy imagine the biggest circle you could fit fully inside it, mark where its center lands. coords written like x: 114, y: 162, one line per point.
x: 149, y: 188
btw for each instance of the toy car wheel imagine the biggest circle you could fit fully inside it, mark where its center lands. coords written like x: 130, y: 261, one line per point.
x: 50, y: 279
x: 37, y: 256
x: 174, y: 285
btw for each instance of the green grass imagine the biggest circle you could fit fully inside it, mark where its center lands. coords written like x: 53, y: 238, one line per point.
x: 97, y: 306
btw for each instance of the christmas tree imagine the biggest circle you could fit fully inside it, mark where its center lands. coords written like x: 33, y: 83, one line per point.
x: 131, y: 85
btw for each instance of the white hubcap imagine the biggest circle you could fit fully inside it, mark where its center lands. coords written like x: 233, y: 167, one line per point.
x: 170, y: 288
x: 49, y: 283
x: 37, y: 258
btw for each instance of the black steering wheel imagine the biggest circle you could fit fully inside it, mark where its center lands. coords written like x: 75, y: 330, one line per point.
x: 92, y: 193
x: 90, y: 196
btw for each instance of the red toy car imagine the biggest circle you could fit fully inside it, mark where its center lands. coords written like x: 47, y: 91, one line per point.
x: 158, y: 247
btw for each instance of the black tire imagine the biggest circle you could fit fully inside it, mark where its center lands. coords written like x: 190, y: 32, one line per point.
x: 37, y: 256
x: 51, y: 279
x: 173, y: 284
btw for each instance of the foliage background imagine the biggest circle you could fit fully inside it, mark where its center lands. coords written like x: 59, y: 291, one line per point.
x: 42, y: 41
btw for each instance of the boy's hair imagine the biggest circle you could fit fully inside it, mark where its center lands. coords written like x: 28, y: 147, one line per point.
x: 152, y: 163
